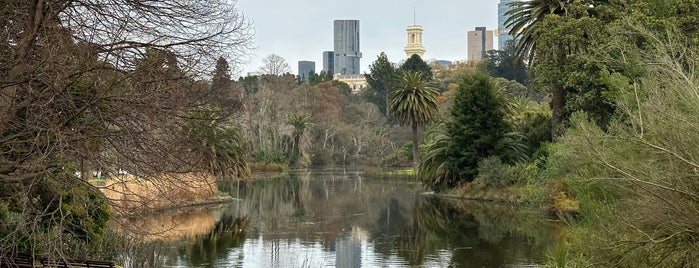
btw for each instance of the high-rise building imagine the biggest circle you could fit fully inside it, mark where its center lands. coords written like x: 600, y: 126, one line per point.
x: 306, y: 67
x: 329, y: 62
x: 414, y: 41
x: 346, y: 47
x: 479, y: 42
x: 504, y: 35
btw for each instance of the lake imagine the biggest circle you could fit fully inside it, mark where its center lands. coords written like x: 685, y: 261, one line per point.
x: 341, y: 218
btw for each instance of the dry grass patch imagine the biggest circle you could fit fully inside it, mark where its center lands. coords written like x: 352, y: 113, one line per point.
x: 130, y: 194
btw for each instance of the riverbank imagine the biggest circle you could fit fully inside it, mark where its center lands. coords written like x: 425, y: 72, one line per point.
x: 130, y: 195
x: 555, y: 198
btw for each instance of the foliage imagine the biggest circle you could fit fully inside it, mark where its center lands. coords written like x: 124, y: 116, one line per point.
x: 318, y: 78
x: 416, y: 64
x: 219, y: 145
x: 647, y: 161
x: 250, y: 84
x: 75, y: 211
x: 434, y: 170
x: 229, y: 96
x: 474, y: 130
x: 343, y: 87
x: 504, y: 63
x: 493, y: 172
x: 478, y: 126
x: 221, y: 78
x: 414, y: 102
x: 553, y: 35
x: 382, y: 78
x: 300, y: 122
x: 268, y: 157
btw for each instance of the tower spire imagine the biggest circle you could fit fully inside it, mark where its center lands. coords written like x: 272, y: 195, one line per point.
x: 414, y: 21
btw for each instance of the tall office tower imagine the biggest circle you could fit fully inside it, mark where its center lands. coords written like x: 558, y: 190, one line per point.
x: 479, y: 42
x: 504, y: 35
x: 305, y: 67
x: 347, y: 55
x: 329, y: 62
x: 414, y: 41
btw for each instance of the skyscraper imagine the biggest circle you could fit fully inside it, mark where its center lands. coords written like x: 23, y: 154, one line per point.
x: 346, y: 42
x: 504, y: 32
x: 305, y: 67
x: 329, y: 62
x: 479, y: 42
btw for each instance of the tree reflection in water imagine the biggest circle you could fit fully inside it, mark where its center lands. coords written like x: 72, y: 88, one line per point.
x: 206, y: 249
x: 320, y: 214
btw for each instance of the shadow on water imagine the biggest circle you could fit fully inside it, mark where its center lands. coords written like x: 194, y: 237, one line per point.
x: 340, y: 218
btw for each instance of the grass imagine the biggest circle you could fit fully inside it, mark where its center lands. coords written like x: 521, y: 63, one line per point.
x: 402, y: 173
x: 129, y: 194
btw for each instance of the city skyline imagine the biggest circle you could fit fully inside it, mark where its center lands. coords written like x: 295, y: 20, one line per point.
x: 302, y: 30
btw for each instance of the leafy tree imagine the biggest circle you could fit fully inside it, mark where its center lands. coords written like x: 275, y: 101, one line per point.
x: 317, y: 78
x: 414, y: 102
x: 343, y: 87
x: 650, y: 158
x: 382, y: 78
x: 504, y: 63
x: 250, y: 84
x: 416, y: 64
x: 548, y: 32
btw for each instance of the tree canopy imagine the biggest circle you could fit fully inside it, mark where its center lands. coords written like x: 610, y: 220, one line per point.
x: 416, y: 64
x: 382, y: 78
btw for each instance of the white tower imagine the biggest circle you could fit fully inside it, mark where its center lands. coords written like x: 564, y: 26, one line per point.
x: 414, y: 41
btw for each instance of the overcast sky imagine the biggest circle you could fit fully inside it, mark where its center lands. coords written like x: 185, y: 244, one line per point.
x: 303, y: 29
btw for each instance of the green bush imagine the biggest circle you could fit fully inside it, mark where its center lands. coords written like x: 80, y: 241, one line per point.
x: 269, y: 157
x: 493, y: 172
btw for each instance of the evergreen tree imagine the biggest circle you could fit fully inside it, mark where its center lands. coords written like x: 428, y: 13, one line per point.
x: 222, y: 75
x: 416, y: 64
x: 382, y: 78
x: 476, y: 129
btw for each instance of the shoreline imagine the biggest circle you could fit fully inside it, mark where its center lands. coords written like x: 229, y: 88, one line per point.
x: 220, y: 199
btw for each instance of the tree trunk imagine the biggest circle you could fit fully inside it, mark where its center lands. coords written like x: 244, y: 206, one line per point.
x: 558, y: 103
x: 416, y: 157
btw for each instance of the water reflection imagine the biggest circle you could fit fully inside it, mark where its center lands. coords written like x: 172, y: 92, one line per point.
x: 339, y: 218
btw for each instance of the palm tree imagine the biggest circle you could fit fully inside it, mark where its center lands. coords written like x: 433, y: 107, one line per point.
x: 217, y: 143
x: 300, y: 122
x: 524, y: 21
x: 413, y: 102
x: 434, y: 169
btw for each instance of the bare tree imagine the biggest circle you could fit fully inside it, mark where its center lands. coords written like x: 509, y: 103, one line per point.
x: 108, y: 85
x: 275, y: 65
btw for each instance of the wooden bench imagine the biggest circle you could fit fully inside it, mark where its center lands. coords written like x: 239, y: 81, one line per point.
x: 71, y: 263
x: 16, y: 260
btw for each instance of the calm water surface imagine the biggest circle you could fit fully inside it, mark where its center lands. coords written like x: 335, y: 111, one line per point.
x: 341, y: 218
